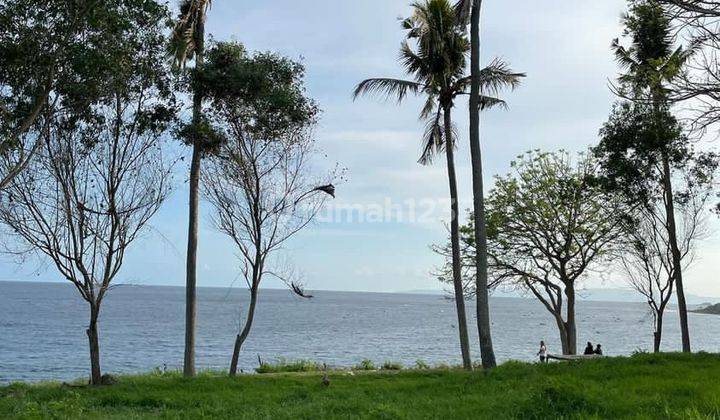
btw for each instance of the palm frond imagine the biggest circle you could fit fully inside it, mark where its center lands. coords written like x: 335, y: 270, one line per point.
x: 463, y: 9
x: 493, y: 78
x: 389, y: 88
x: 488, y: 102
x: 183, y: 42
x: 432, y: 141
x: 428, y: 108
x: 624, y: 57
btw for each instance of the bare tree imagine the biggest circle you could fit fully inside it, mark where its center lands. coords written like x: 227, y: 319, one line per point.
x: 646, y: 255
x: 548, y: 225
x: 258, y: 183
x: 698, y: 21
x: 262, y: 195
x: 87, y: 196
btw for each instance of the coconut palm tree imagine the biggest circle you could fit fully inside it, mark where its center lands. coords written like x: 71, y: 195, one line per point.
x: 469, y: 10
x: 188, y: 43
x: 437, y: 64
x: 651, y: 64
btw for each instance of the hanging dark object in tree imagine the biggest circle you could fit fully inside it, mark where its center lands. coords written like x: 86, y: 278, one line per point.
x: 327, y: 189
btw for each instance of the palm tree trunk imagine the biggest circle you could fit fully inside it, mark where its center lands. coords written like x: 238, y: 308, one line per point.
x: 675, y: 250
x: 481, y: 261
x: 191, y: 265
x: 240, y: 339
x: 455, y: 241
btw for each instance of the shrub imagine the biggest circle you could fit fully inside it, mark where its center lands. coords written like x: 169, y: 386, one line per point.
x: 365, y: 365
x: 289, y: 366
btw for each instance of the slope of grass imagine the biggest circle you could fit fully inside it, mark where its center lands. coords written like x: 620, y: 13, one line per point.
x: 644, y: 386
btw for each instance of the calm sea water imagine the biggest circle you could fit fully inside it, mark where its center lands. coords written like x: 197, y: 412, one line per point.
x: 42, y: 329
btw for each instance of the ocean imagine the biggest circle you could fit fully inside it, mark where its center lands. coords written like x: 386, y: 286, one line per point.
x: 42, y: 329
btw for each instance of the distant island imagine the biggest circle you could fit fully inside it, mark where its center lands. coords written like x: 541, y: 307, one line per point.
x: 712, y: 309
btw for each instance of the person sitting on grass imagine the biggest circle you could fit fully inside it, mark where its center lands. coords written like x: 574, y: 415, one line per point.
x: 598, y: 350
x: 543, y: 352
x: 589, y: 349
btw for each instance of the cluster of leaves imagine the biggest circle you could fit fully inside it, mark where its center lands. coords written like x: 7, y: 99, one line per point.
x: 548, y: 222
x: 263, y: 91
x: 75, y: 54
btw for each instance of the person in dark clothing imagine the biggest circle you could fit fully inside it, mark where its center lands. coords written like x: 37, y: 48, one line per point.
x: 598, y: 350
x: 589, y: 349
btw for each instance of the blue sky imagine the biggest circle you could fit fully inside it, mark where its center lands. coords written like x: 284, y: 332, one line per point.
x: 562, y: 46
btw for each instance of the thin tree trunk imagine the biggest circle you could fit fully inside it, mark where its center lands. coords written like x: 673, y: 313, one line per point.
x: 191, y: 265
x: 570, y: 324
x: 455, y: 241
x: 657, y: 336
x: 676, y: 256
x: 94, y: 342
x: 240, y: 339
x: 481, y: 261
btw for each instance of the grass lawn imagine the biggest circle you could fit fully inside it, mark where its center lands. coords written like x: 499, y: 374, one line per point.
x: 642, y: 386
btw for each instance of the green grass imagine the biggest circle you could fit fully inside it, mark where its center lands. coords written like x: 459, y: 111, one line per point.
x: 645, y: 386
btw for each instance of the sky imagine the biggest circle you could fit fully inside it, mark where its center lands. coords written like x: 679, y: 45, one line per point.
x: 400, y: 207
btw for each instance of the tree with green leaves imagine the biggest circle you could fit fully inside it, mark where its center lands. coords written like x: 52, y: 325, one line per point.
x: 643, y: 140
x: 471, y: 9
x: 58, y: 55
x: 261, y: 184
x: 549, y: 224
x: 188, y: 43
x: 99, y: 174
x: 645, y: 254
x: 438, y: 65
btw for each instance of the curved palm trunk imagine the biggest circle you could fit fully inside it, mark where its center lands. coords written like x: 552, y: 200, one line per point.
x: 481, y: 261
x: 455, y: 241
x: 240, y: 339
x: 191, y: 264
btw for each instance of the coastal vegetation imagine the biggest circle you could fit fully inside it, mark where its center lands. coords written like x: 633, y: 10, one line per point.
x: 437, y: 64
x: 644, y: 386
x: 656, y: 184
x: 90, y: 91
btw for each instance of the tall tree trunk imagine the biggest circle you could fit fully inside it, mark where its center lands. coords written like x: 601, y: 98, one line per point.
x: 675, y: 250
x: 481, y: 261
x: 570, y: 324
x: 191, y: 265
x: 240, y: 339
x: 94, y: 342
x: 455, y: 241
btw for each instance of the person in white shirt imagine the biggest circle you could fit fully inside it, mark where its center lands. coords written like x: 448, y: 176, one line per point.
x: 543, y: 353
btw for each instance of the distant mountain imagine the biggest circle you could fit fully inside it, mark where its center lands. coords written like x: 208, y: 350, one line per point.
x: 712, y: 310
x: 596, y: 295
